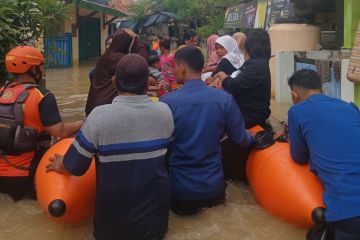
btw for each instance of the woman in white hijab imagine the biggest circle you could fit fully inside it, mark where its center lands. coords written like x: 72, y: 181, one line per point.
x: 230, y: 57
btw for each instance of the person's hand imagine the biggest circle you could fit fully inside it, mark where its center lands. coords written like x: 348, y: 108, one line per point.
x: 209, y: 81
x: 217, y: 83
x: 56, y: 164
x: 221, y: 76
x: 279, y: 134
x: 282, y: 133
x: 130, y: 32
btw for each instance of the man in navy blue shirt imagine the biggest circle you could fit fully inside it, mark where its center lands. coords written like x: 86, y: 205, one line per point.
x: 202, y: 116
x: 326, y: 132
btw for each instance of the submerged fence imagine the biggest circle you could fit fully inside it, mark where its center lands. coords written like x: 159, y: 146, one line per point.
x: 58, y: 51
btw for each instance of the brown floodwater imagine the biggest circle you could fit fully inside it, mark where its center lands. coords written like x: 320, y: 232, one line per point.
x: 240, y: 218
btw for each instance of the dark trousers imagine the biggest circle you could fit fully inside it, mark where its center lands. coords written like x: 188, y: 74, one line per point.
x: 106, y: 236
x: 22, y: 187
x: 234, y: 160
x: 192, y: 207
x: 18, y: 187
x: 134, y: 234
x: 348, y: 229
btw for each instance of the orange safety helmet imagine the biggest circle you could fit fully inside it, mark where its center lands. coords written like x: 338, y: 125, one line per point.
x: 22, y: 58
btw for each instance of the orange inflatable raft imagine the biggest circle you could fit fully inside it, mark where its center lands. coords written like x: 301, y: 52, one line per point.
x: 284, y: 188
x: 65, y: 198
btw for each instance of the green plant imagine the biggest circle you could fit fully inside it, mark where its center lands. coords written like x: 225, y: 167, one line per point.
x: 143, y: 8
x: 54, y: 14
x: 19, y: 23
x: 23, y: 22
x: 206, y: 15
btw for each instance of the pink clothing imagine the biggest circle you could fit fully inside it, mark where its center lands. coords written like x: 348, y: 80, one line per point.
x: 167, y: 64
x: 163, y: 59
x: 213, y: 58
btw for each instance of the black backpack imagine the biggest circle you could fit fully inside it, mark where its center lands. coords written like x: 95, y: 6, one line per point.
x: 15, y: 138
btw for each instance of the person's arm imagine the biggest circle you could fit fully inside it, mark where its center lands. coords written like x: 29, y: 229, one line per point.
x: 223, y: 66
x: 209, y: 69
x: 235, y: 125
x: 298, y: 147
x: 50, y: 118
x: 92, y: 73
x: 283, y: 132
x: 64, y: 130
x: 140, y: 48
x: 78, y: 157
x: 251, y: 75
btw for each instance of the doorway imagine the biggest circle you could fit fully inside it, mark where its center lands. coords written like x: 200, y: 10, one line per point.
x: 89, y: 38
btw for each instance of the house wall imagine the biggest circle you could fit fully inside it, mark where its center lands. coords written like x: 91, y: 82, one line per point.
x: 69, y: 26
x: 285, y: 67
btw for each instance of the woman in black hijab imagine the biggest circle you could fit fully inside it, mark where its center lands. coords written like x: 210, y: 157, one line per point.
x: 101, y: 89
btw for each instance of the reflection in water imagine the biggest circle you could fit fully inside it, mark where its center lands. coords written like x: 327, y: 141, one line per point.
x: 240, y: 218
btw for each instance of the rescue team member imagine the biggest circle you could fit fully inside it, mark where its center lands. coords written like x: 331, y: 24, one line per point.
x: 326, y: 132
x: 202, y: 116
x: 27, y: 111
x: 132, y: 184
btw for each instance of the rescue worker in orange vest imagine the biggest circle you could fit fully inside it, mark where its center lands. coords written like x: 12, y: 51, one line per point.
x: 28, y: 113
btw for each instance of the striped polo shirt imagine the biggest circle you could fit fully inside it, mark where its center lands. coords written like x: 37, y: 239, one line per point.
x: 129, y: 139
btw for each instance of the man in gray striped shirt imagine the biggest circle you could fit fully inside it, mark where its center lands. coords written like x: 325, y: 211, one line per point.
x: 129, y: 139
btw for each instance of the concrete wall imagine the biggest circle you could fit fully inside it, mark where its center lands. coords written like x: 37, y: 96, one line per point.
x: 285, y: 67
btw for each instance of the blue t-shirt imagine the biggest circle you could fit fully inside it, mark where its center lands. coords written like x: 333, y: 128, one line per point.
x: 202, y: 115
x: 326, y: 132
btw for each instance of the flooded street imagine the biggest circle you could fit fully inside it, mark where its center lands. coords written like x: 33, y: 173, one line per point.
x: 240, y: 218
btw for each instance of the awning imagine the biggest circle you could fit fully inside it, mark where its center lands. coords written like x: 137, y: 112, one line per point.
x: 100, y: 6
x: 160, y: 17
x: 133, y: 25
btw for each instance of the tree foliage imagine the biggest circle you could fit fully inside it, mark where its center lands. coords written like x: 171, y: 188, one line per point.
x: 54, y: 13
x: 25, y: 21
x: 205, y: 15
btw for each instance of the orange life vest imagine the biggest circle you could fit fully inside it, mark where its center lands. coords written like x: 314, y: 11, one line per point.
x: 11, y: 95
